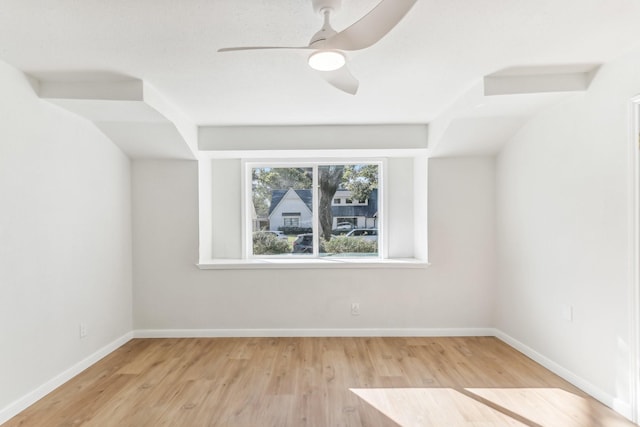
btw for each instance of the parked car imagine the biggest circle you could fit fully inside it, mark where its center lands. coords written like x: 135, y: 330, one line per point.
x: 344, y: 226
x: 303, y: 244
x: 370, y: 234
x: 278, y: 234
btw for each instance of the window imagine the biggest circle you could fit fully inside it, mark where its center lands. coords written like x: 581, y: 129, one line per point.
x: 303, y: 201
x: 228, y: 216
x: 291, y: 221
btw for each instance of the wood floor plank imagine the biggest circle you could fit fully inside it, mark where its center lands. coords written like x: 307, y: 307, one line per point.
x: 378, y: 382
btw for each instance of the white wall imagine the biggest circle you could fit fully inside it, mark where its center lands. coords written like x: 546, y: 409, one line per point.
x: 172, y: 293
x: 65, y: 239
x: 226, y: 193
x: 563, y: 232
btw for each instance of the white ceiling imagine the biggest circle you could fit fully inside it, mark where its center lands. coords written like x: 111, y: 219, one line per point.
x: 438, y: 53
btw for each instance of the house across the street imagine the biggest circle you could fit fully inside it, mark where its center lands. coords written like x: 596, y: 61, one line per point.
x: 292, y: 208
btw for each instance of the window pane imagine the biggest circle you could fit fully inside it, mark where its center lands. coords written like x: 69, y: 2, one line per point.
x: 282, y: 210
x: 291, y: 222
x: 349, y: 229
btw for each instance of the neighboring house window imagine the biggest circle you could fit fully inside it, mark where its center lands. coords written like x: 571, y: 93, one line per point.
x: 358, y: 202
x: 291, y: 220
x: 304, y: 201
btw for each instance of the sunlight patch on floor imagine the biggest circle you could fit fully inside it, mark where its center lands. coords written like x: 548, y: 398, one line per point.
x: 548, y: 407
x: 433, y: 407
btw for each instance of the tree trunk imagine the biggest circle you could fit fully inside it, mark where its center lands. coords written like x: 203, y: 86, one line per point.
x: 329, y: 178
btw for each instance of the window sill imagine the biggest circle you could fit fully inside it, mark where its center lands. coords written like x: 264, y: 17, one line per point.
x: 286, y: 264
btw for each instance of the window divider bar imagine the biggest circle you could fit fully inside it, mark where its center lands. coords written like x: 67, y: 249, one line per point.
x: 315, y: 203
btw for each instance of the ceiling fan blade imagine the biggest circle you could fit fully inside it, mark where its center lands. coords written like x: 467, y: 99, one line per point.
x: 234, y: 49
x: 371, y: 27
x: 341, y: 79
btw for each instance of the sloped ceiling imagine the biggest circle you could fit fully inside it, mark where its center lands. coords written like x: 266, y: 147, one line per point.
x: 439, y: 54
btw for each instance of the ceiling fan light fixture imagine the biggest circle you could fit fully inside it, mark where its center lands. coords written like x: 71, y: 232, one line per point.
x: 326, y: 60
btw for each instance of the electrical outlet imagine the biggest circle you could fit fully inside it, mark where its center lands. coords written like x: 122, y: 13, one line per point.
x: 355, y: 309
x: 83, y: 330
x: 567, y: 312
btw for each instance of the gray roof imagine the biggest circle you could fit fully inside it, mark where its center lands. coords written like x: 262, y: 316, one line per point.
x: 305, y: 195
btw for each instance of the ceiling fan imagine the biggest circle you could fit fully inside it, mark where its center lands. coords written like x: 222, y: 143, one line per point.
x: 327, y: 45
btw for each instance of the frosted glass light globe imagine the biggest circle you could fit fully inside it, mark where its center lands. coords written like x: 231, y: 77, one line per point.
x: 326, y: 60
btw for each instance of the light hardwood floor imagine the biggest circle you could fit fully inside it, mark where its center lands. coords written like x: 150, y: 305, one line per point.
x: 317, y: 382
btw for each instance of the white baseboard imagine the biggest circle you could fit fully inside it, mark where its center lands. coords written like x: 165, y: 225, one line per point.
x: 622, y: 408
x: 24, y: 402
x: 363, y: 332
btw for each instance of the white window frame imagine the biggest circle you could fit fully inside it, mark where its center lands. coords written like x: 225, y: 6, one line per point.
x: 249, y: 165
